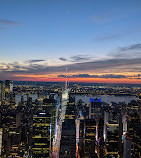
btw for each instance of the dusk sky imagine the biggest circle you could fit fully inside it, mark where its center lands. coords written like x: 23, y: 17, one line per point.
x: 98, y: 41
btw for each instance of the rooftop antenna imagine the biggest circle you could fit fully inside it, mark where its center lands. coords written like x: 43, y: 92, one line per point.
x: 66, y: 83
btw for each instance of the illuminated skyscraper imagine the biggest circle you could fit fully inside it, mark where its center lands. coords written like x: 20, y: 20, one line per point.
x: 95, y: 112
x: 70, y: 110
x: 89, y: 138
x: 81, y: 138
x: 95, y: 109
x: 134, y: 131
x: 9, y: 85
x: 41, y: 135
x: 139, y: 106
x: 64, y: 101
x: 112, y: 134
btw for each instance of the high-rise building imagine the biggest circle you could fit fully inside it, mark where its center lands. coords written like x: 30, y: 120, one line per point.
x: 68, y: 139
x: 79, y: 134
x: 12, y: 132
x: 139, y: 106
x: 9, y: 85
x: 50, y: 105
x: 41, y: 138
x: 112, y: 140
x: 1, y: 92
x: 71, y: 109
x: 127, y: 143
x: 81, y: 138
x: 82, y: 106
x: 89, y: 138
x: 64, y: 101
x: 134, y: 128
x: 112, y: 133
x: 95, y: 110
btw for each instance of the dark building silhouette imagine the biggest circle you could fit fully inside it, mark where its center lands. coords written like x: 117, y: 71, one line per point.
x: 68, y: 139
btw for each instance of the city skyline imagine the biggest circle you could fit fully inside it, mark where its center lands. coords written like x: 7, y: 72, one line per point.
x: 97, y: 41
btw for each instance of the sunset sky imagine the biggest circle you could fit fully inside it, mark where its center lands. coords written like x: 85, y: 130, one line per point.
x: 98, y: 41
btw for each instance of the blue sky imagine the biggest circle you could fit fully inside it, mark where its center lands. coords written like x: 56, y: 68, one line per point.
x: 54, y: 29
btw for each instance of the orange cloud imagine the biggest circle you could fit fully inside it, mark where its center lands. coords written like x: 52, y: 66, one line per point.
x: 54, y: 78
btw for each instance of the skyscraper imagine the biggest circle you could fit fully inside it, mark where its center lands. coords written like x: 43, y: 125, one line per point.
x: 95, y: 111
x: 68, y: 139
x: 9, y: 85
x: 112, y: 133
x: 89, y: 138
x: 1, y: 92
x: 41, y: 135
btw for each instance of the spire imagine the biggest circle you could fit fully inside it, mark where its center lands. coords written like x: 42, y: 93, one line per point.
x: 66, y: 83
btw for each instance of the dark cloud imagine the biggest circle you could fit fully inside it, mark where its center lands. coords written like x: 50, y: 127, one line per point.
x: 8, y: 22
x: 109, y: 65
x: 137, y: 78
x: 63, y: 59
x: 35, y: 61
x: 85, y: 76
x: 76, y: 58
x: 62, y: 76
x: 79, y: 58
x: 131, y: 47
x: 127, y: 52
x: 113, y: 76
x: 79, y: 76
x: 101, y: 66
x: 94, y: 76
